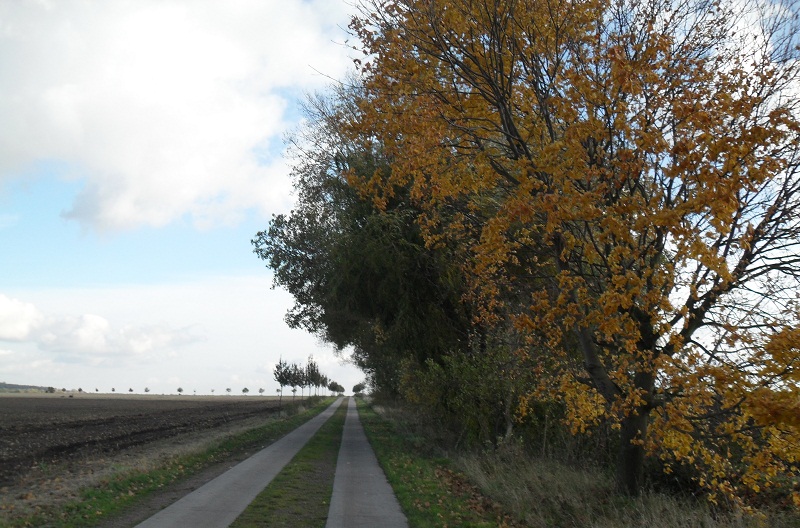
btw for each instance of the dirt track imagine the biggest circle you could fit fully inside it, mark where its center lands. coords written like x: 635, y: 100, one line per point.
x: 46, y: 430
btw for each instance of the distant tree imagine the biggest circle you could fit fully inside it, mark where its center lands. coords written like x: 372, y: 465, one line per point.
x: 212, y: 391
x: 147, y: 389
x: 64, y: 389
x: 358, y: 388
x: 296, y: 379
x: 228, y: 390
x: 245, y: 391
x: 97, y: 390
x: 130, y: 390
x: 313, y: 375
x: 282, y: 375
x: 180, y: 390
x: 51, y: 389
x: 261, y: 391
x: 80, y: 389
x: 113, y: 389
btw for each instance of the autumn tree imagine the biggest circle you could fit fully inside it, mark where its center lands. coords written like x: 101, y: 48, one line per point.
x: 624, y: 178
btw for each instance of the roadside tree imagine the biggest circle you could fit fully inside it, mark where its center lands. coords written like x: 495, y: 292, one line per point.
x: 626, y: 177
x: 362, y: 278
x: 313, y: 375
x: 282, y: 374
x: 297, y: 378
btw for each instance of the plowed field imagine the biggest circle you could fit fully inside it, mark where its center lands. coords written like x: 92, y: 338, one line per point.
x: 50, y: 429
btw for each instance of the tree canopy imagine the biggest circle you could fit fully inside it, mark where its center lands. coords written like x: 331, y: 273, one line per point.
x: 632, y: 169
x: 361, y: 277
x: 601, y: 199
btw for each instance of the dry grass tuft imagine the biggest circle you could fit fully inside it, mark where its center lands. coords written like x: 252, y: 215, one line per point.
x: 547, y: 493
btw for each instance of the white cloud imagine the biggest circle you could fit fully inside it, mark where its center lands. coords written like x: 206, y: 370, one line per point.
x: 18, y: 319
x: 88, y: 338
x: 92, y: 338
x: 162, y: 109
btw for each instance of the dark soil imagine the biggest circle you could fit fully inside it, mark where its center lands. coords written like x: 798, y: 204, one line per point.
x: 41, y: 431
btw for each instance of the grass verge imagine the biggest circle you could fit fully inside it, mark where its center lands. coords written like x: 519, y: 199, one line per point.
x: 507, y: 486
x: 300, y: 495
x: 542, y: 492
x: 430, y: 491
x: 123, y: 490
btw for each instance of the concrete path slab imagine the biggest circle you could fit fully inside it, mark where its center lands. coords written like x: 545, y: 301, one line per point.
x: 219, y: 502
x: 362, y: 497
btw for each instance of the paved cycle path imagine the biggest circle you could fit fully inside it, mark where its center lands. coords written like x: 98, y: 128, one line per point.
x: 362, y: 497
x: 220, y: 501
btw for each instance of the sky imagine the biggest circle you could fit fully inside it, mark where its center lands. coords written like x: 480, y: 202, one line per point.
x: 141, y: 149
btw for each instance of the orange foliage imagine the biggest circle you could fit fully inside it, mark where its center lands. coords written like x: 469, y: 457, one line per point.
x: 625, y: 179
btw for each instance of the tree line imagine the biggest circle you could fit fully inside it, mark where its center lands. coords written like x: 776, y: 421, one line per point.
x: 520, y: 212
x: 294, y: 375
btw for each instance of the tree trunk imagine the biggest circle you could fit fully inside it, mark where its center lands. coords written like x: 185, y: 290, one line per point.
x: 630, y: 461
x: 509, y: 416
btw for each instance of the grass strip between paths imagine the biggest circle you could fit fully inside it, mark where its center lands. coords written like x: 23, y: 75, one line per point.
x: 300, y: 495
x: 430, y: 492
x: 122, y: 491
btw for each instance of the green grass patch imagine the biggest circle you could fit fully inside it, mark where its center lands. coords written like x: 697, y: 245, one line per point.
x: 430, y: 492
x: 300, y: 495
x: 114, y: 495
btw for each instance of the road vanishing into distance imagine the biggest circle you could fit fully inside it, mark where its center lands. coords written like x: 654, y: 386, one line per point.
x: 362, y: 497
